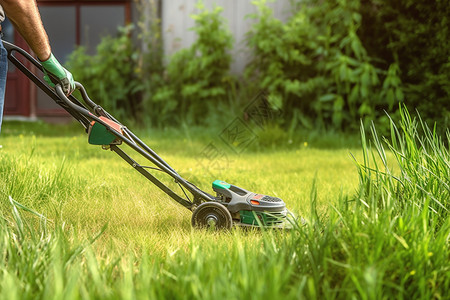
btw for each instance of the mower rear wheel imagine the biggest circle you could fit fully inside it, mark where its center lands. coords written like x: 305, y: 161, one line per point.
x: 212, y: 215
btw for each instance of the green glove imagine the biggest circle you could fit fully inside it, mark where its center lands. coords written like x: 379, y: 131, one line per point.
x: 52, y: 66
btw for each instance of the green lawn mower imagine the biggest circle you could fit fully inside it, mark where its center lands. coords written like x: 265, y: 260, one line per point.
x: 230, y: 206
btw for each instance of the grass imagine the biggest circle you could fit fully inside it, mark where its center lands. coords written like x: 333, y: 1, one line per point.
x: 90, y: 187
x: 377, y: 230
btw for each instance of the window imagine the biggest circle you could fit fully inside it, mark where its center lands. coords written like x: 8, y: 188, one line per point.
x: 60, y: 24
x: 72, y: 23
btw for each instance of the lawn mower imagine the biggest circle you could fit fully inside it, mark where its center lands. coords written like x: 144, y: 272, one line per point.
x: 231, y: 206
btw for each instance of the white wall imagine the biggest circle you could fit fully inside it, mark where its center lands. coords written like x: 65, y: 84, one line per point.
x: 176, y: 21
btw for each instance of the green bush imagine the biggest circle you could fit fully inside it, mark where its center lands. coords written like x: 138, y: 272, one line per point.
x: 329, y: 65
x: 196, y: 78
x: 415, y: 34
x: 110, y: 76
x: 319, y: 68
x: 133, y: 83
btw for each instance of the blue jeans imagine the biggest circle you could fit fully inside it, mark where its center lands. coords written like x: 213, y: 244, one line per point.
x: 3, y: 73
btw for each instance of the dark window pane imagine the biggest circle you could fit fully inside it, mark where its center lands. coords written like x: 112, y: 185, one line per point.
x: 60, y: 24
x: 97, y: 21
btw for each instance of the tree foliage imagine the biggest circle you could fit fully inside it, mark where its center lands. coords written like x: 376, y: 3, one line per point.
x: 416, y: 35
x: 336, y: 61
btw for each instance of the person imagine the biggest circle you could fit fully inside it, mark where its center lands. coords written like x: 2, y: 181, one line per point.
x: 25, y: 17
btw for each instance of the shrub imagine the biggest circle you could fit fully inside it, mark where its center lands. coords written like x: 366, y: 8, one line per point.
x: 329, y: 65
x: 415, y: 34
x: 317, y: 64
x: 196, y: 77
x: 110, y: 76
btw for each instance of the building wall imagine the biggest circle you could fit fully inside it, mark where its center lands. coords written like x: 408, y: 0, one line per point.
x: 176, y: 21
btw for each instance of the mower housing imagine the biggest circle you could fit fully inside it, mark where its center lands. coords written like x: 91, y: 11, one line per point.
x: 249, y: 208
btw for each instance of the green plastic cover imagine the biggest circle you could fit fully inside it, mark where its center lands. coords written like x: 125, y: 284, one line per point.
x: 99, y: 135
x: 219, y: 184
x: 251, y: 218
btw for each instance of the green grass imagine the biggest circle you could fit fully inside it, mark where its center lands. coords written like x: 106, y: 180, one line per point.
x: 377, y: 229
x: 90, y: 187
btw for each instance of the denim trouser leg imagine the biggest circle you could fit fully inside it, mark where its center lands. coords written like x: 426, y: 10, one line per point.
x: 3, y: 73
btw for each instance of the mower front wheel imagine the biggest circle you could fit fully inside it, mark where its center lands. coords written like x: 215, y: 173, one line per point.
x: 212, y: 215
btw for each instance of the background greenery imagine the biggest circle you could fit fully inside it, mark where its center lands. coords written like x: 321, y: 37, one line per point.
x: 329, y: 65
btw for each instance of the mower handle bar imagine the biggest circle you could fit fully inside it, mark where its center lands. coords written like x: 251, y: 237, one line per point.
x: 75, y: 108
x: 131, y: 140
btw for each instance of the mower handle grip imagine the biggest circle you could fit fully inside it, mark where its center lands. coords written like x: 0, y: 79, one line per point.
x: 94, y: 109
x: 84, y: 95
x: 63, y: 97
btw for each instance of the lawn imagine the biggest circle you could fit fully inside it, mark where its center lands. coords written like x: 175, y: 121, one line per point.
x: 92, y: 187
x: 109, y: 233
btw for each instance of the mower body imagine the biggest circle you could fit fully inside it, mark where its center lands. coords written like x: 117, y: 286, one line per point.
x: 249, y: 208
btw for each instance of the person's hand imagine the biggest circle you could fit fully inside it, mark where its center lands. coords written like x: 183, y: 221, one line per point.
x: 52, y: 66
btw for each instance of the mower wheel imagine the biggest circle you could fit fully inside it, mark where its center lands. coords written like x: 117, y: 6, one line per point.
x: 212, y: 215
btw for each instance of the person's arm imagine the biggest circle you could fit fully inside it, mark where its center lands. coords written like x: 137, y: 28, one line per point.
x: 24, y: 15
